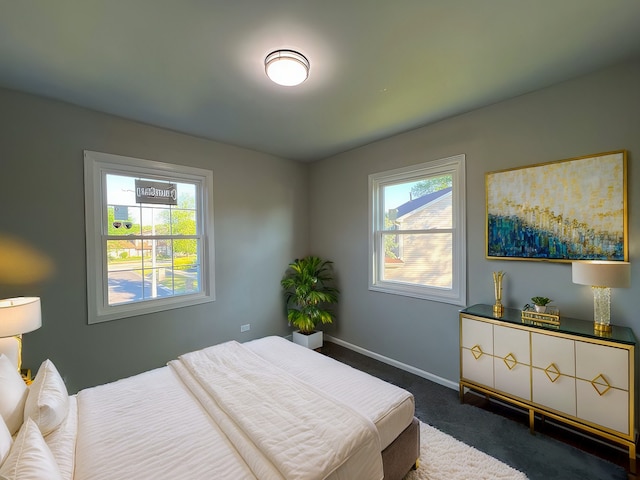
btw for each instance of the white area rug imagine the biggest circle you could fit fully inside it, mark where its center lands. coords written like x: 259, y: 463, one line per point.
x: 442, y: 457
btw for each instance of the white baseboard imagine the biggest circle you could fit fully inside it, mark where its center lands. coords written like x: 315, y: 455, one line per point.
x: 390, y: 361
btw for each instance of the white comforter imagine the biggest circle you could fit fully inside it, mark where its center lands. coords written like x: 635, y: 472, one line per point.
x: 389, y: 407
x: 301, y: 432
x: 150, y: 427
x: 257, y: 422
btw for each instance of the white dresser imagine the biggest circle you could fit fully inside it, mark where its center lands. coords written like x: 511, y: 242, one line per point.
x: 566, y: 372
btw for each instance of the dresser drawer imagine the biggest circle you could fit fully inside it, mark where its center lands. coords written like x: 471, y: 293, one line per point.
x: 512, y: 361
x: 547, y: 350
x: 513, y: 342
x: 477, y: 333
x: 477, y: 367
x: 554, y: 391
x: 512, y: 378
x: 605, y: 407
x: 594, y: 360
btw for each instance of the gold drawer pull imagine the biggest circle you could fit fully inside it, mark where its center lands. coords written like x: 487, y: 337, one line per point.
x: 602, y: 383
x: 552, y: 372
x: 510, y: 361
x: 477, y: 352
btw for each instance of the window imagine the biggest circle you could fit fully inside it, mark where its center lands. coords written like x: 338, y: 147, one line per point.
x: 417, y: 244
x: 149, y: 228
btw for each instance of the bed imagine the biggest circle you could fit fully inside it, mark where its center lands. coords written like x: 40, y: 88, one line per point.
x: 264, y: 409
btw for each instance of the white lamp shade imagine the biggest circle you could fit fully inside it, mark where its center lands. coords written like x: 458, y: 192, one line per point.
x: 602, y: 274
x: 286, y: 67
x: 19, y: 315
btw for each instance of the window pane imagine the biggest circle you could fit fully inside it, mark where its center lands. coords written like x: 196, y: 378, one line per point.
x: 134, y: 218
x: 418, y: 205
x: 123, y: 220
x: 124, y: 254
x: 125, y: 277
x: 121, y: 190
x: 183, y: 222
x: 164, y: 253
x: 186, y: 195
x: 186, y: 279
x: 156, y: 221
x: 393, y: 197
x: 124, y: 286
x: 157, y: 253
x: 158, y: 282
x: 421, y: 259
x: 186, y: 263
x: 185, y: 251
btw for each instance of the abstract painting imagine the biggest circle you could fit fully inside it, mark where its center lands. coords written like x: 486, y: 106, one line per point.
x: 566, y: 210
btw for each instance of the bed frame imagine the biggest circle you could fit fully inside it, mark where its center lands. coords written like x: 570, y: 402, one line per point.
x: 403, y: 453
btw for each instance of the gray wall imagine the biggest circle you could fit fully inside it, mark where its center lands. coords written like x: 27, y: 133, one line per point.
x: 261, y: 223
x: 260, y: 204
x: 592, y: 114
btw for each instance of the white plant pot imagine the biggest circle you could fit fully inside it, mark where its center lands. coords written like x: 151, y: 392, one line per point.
x: 541, y: 308
x: 312, y: 341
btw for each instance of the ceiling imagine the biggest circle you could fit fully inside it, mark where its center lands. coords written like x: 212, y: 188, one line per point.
x: 377, y: 67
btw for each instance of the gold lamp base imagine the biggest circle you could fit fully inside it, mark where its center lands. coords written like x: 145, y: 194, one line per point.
x: 601, y: 328
x: 498, y: 309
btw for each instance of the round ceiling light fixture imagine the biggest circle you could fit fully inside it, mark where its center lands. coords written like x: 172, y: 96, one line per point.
x: 286, y: 67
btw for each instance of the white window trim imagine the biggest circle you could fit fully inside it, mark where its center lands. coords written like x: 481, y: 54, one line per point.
x: 454, y: 166
x: 95, y: 164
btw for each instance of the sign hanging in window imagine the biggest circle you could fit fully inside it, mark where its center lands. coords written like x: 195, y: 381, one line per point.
x: 156, y: 192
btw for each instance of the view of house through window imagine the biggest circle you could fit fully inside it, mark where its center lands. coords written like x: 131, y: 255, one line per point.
x: 152, y: 249
x: 417, y: 231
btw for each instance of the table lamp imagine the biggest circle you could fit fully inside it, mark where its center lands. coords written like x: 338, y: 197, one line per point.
x: 601, y: 276
x: 17, y: 316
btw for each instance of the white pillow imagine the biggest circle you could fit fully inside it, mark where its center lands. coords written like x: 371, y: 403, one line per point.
x: 14, y: 393
x: 30, y: 457
x: 5, y: 441
x: 48, y: 400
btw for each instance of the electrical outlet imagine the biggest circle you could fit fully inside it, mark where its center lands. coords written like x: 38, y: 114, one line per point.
x: 245, y: 328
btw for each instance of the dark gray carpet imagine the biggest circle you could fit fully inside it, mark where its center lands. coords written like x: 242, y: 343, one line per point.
x: 538, y: 456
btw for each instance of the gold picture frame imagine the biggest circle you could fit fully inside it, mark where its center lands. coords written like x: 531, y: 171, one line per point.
x: 561, y: 211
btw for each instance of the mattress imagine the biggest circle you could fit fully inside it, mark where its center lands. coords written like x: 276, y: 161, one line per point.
x: 389, y: 407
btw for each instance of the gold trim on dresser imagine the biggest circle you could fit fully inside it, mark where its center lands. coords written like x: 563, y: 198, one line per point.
x: 555, y: 373
x: 477, y: 352
x: 510, y: 361
x: 600, y: 381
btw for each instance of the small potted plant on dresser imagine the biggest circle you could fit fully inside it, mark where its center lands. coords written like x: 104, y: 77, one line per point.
x: 308, y: 289
x: 540, y: 303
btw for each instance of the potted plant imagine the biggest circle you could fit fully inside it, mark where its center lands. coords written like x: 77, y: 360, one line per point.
x: 308, y: 289
x: 540, y: 303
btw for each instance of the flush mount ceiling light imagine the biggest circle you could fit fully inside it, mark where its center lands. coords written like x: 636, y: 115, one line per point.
x: 286, y: 67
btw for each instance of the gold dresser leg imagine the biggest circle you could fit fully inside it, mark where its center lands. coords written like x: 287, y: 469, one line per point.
x: 532, y: 419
